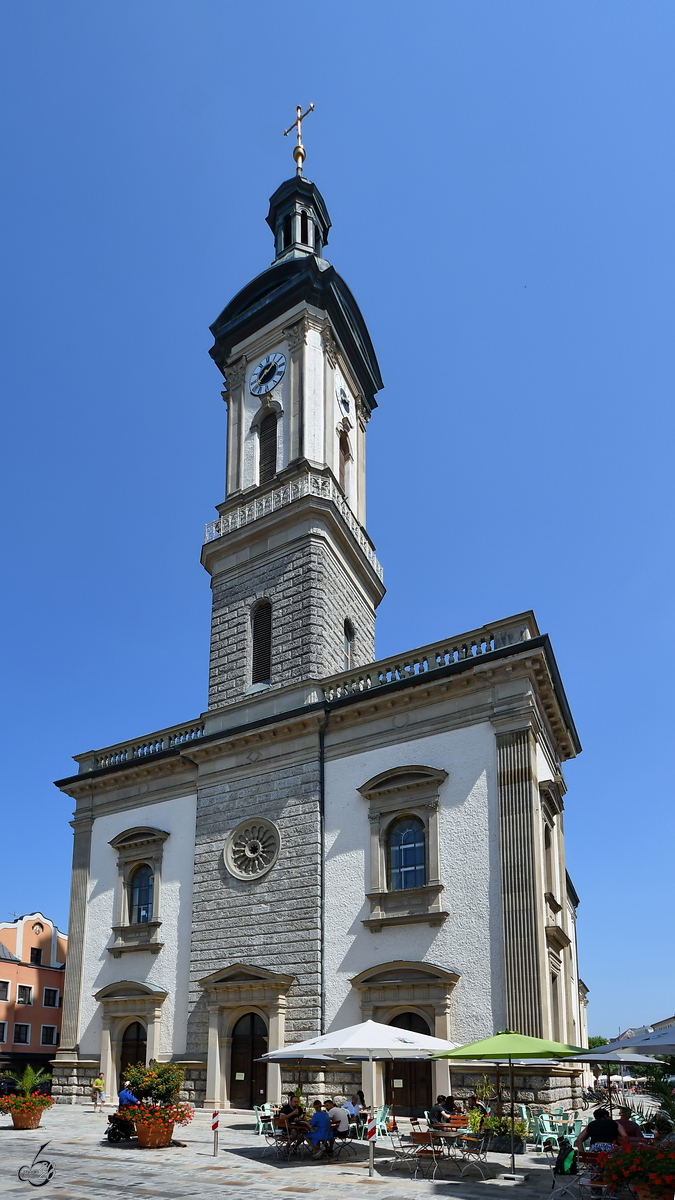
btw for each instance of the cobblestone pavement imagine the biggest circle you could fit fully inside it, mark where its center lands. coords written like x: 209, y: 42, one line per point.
x: 87, y: 1167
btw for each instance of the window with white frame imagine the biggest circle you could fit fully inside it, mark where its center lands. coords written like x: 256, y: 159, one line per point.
x: 405, y: 884
x: 3, y: 1032
x: 4, y: 989
x: 139, y: 865
x: 49, y: 1035
x: 50, y: 998
x: 24, y: 994
x: 21, y: 1035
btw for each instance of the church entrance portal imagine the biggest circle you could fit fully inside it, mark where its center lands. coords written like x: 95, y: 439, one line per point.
x: 134, y: 1047
x: 414, y: 1096
x: 248, y: 1078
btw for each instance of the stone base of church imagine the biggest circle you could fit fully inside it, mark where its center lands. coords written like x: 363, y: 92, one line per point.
x: 194, y: 1083
x: 319, y: 1085
x: 72, y: 1079
x: 550, y: 1089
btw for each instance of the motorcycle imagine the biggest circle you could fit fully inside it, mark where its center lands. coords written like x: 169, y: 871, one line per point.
x: 120, y: 1129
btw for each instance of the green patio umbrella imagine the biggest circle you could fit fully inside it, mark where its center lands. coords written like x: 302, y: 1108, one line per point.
x: 505, y: 1047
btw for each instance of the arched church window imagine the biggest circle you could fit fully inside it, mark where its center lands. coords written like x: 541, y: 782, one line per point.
x: 268, y: 448
x: 288, y: 231
x: 261, y: 663
x: 317, y: 240
x: 345, y: 455
x: 406, y: 854
x: 304, y: 229
x: 348, y: 645
x: 142, y: 887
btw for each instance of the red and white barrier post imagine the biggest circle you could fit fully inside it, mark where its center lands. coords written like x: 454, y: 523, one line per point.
x: 214, y: 1126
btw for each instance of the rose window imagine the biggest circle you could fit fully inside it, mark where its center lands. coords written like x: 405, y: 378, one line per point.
x: 252, y: 849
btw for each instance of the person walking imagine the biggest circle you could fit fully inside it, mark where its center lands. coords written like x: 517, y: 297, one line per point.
x: 98, y: 1092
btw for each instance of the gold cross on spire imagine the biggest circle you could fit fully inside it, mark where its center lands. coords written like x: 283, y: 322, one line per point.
x: 299, y: 149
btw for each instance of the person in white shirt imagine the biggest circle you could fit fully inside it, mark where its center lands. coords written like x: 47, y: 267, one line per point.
x: 353, y: 1106
x: 339, y: 1117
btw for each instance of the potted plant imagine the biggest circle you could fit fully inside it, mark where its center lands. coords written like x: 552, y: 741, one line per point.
x: 27, y: 1106
x: 500, y: 1134
x: 157, y: 1086
x: 649, y: 1168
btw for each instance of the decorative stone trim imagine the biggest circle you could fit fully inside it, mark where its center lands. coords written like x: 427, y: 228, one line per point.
x: 252, y: 849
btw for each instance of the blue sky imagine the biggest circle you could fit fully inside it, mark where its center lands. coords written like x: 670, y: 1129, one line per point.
x: 500, y: 179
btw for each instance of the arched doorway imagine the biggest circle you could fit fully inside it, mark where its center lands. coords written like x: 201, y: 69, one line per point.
x: 134, y: 1047
x: 408, y: 1082
x: 248, y: 1078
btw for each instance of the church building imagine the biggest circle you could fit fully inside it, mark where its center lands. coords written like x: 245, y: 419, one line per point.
x: 336, y: 837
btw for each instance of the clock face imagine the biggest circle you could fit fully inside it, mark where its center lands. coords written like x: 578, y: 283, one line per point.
x: 268, y: 373
x: 343, y: 398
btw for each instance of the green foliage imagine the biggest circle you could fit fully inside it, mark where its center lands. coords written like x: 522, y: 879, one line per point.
x: 594, y: 1042
x: 484, y: 1089
x: 501, y: 1126
x: 474, y: 1119
x: 160, y: 1081
x: 29, y: 1081
x: 661, y: 1089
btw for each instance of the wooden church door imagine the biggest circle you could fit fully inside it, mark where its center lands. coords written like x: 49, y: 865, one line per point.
x: 408, y: 1082
x: 248, y: 1078
x: 134, y: 1048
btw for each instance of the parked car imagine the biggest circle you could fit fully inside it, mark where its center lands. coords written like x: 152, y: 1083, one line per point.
x: 8, y: 1087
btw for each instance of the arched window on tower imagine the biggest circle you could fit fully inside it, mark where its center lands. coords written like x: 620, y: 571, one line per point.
x: 348, y: 646
x: 304, y: 229
x: 288, y: 231
x: 261, y: 658
x: 268, y: 448
x: 406, y: 854
x: 142, y: 887
x: 345, y: 455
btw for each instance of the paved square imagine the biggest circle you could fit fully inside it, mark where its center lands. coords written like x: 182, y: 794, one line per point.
x: 88, y: 1167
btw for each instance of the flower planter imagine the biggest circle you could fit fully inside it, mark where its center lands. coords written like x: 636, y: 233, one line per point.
x: 27, y: 1120
x: 654, y: 1191
x: 152, y: 1137
x: 502, y: 1144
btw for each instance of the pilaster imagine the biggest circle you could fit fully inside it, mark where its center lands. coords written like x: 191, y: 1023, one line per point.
x: 70, y: 1026
x: 522, y: 957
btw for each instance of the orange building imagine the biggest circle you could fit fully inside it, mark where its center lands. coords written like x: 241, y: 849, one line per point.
x: 32, y: 967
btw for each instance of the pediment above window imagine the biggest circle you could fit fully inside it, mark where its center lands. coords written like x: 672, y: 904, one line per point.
x: 239, y: 983
x: 126, y: 989
x: 399, y: 780
x: 404, y: 971
x: 141, y: 838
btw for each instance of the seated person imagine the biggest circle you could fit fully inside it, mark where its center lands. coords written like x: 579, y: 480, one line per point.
x: 602, y: 1132
x: 450, y: 1106
x: 353, y: 1106
x: 339, y: 1119
x: 126, y: 1097
x: 437, y: 1113
x: 628, y: 1128
x: 320, y: 1131
x: 290, y: 1115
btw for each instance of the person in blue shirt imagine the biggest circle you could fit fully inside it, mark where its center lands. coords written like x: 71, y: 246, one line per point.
x: 320, y: 1130
x: 126, y: 1097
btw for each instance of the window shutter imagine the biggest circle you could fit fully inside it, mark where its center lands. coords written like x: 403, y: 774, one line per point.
x: 262, y: 644
x: 268, y: 448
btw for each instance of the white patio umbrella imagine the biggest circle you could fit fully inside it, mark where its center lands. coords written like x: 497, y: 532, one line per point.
x: 370, y: 1041
x: 613, y: 1058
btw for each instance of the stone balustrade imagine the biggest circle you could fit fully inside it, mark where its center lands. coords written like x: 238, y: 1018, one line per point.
x: 154, y: 743
x: 311, y: 483
x: 429, y: 658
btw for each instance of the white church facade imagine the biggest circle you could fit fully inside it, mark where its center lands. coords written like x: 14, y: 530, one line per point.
x: 335, y: 837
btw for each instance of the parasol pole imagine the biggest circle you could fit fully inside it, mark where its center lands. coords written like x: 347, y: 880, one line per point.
x: 371, y: 1141
x: 513, y: 1144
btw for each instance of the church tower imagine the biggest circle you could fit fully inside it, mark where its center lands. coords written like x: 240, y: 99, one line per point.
x: 295, y: 577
